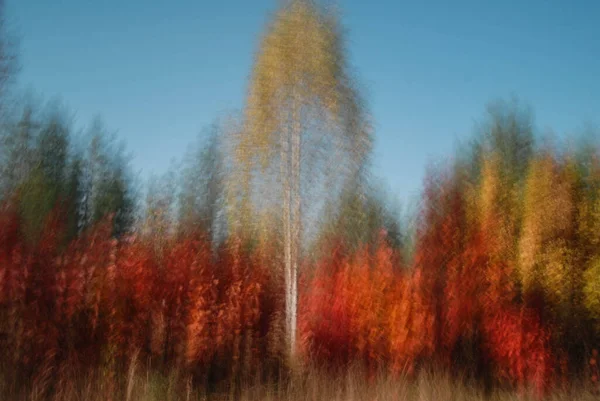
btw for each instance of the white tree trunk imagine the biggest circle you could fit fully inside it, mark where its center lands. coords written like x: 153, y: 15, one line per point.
x: 286, y: 216
x: 296, y: 228
x: 290, y: 176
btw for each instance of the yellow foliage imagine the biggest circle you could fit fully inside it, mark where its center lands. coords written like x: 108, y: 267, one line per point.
x: 557, y: 274
x: 498, y: 207
x: 591, y: 291
x: 548, y: 215
x: 299, y: 62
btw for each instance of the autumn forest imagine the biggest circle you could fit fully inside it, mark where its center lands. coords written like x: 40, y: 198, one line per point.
x: 271, y: 259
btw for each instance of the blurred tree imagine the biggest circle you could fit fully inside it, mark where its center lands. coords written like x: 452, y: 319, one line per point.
x: 495, y: 168
x: 546, y: 254
x: 589, y: 228
x: 508, y: 132
x: 358, y: 216
x: 53, y: 148
x: 15, y: 144
x: 41, y: 170
x: 300, y: 78
x: 108, y: 187
x: 158, y: 223
x: 18, y: 150
x: 9, y: 64
x: 201, y: 201
x: 45, y: 185
x: 75, y: 197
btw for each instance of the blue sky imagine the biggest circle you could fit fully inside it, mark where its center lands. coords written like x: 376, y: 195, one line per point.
x: 159, y: 71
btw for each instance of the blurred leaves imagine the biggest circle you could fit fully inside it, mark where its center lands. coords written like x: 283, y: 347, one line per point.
x: 496, y: 275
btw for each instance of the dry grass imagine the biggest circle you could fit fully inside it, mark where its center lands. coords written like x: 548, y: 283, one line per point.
x: 309, y: 386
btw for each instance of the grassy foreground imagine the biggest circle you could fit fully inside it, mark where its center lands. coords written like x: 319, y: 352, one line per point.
x: 313, y: 385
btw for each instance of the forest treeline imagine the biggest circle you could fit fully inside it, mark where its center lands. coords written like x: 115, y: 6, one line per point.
x: 495, y: 278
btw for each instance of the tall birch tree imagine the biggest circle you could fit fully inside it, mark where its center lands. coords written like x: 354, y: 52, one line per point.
x: 301, y: 89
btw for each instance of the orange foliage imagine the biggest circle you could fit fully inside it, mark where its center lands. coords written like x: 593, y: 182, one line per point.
x: 364, y: 307
x: 216, y: 311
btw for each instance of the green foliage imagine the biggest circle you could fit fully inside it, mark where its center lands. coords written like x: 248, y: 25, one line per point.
x: 37, y: 200
x: 202, y: 196
x: 18, y: 152
x: 108, y: 185
x: 358, y: 217
x: 41, y: 168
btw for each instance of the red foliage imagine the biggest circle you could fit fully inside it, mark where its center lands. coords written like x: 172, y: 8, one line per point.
x: 518, y: 345
x: 364, y: 307
x: 324, y: 321
x: 202, y: 310
x: 102, y: 298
